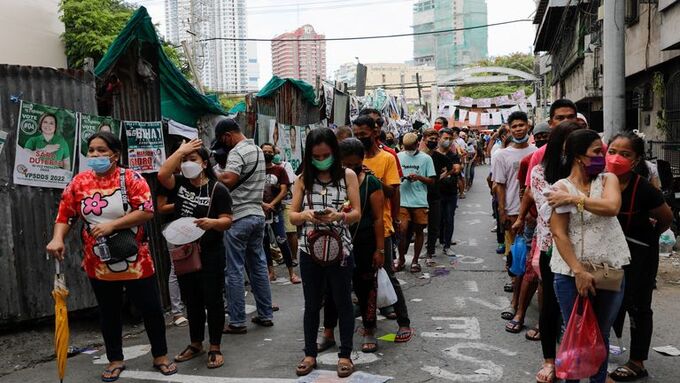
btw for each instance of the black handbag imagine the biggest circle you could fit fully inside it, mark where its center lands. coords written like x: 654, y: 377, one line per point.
x: 122, y: 243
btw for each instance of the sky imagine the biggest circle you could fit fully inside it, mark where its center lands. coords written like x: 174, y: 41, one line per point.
x: 268, y: 18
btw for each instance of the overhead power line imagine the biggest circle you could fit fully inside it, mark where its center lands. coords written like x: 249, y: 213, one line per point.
x: 371, y: 37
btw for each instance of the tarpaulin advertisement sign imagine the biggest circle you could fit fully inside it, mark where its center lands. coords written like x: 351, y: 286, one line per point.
x: 90, y: 125
x: 146, y: 150
x: 46, y: 141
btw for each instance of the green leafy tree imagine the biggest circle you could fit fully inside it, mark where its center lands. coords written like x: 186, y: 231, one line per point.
x: 228, y: 101
x: 519, y: 61
x: 177, y: 57
x: 91, y: 26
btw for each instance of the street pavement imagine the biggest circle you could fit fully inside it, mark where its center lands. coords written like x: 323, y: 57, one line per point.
x: 454, y: 307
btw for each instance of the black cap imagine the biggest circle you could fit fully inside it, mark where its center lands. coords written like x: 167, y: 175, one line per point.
x: 224, y: 126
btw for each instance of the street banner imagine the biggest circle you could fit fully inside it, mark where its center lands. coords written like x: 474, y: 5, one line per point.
x: 496, y: 118
x: 472, y: 118
x: 3, y: 138
x: 46, y: 142
x: 90, y: 125
x: 485, y: 119
x: 146, y: 150
x: 180, y: 129
x: 462, y: 115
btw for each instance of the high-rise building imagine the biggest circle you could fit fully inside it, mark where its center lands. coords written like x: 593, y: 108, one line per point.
x: 295, y: 56
x: 223, y: 65
x: 452, y: 51
x: 395, y: 78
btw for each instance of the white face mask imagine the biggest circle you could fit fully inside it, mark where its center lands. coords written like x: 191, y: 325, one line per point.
x: 191, y: 169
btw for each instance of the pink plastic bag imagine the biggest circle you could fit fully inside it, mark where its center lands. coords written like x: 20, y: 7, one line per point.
x: 582, y: 351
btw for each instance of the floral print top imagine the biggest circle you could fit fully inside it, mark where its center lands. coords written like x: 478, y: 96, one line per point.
x: 97, y: 199
x: 539, y: 186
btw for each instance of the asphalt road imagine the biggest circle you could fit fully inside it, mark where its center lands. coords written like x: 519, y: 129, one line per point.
x: 454, y: 307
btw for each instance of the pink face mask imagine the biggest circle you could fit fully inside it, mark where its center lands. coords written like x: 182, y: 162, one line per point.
x: 618, y: 164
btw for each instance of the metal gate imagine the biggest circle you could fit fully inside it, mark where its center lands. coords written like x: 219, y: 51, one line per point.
x: 673, y: 107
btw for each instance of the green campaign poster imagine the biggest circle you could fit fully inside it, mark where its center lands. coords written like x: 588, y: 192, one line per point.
x: 46, y: 142
x: 146, y: 150
x: 90, y: 125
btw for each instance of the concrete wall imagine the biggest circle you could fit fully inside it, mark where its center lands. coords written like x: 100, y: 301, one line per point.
x: 643, y: 39
x: 30, y: 31
x: 391, y: 74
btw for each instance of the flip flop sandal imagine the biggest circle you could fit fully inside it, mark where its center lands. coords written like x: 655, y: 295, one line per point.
x: 535, y: 337
x: 508, y: 313
x: 180, y: 322
x: 508, y: 287
x: 369, y: 344
x: 212, y: 359
x: 304, y: 368
x: 295, y: 280
x: 182, y: 357
x: 514, y: 326
x: 404, y: 336
x: 116, y: 370
x: 398, y: 266
x: 167, y: 371
x: 629, y: 372
x: 391, y: 315
x: 345, y: 369
x: 323, y: 343
x: 546, y: 374
x: 415, y: 268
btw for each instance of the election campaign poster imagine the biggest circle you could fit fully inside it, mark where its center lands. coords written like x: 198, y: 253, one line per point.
x: 146, y: 150
x: 46, y: 142
x: 90, y: 125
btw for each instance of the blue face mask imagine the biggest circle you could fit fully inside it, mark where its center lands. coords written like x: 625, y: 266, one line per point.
x: 520, y: 140
x: 99, y: 164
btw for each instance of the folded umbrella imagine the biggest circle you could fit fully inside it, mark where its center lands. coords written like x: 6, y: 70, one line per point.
x: 61, y: 331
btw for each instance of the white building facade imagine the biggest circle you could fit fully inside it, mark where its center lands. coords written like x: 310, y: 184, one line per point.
x: 207, y: 26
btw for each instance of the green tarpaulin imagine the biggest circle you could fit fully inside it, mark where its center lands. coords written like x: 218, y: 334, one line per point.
x: 180, y: 101
x: 308, y: 93
x: 238, y: 108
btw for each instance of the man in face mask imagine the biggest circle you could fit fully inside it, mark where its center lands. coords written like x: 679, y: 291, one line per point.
x: 541, y: 133
x: 244, y: 175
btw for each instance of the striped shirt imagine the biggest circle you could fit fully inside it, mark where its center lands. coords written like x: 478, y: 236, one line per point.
x: 247, y: 197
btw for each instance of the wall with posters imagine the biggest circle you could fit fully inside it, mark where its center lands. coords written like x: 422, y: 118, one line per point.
x: 28, y: 212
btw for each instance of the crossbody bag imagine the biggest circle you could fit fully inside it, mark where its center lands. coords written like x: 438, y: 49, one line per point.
x: 122, y: 243
x: 324, y: 244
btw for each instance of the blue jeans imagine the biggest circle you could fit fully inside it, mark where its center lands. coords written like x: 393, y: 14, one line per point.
x: 280, y: 233
x: 244, y: 247
x: 606, y: 305
x: 448, y: 212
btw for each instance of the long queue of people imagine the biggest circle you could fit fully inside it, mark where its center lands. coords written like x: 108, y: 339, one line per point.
x: 592, y: 214
x: 358, y: 201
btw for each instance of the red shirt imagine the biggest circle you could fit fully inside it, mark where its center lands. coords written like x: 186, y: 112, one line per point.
x: 394, y: 154
x: 97, y: 199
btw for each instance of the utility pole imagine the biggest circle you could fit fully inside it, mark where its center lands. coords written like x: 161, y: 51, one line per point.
x: 192, y: 67
x: 614, y: 91
x: 420, y: 96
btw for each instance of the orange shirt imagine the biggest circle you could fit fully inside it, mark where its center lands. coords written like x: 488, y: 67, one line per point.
x: 384, y: 167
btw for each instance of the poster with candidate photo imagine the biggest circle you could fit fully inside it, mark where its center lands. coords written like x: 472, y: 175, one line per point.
x: 46, y: 143
x: 146, y: 150
x: 90, y: 125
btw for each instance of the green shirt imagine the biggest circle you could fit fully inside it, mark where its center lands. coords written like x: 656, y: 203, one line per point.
x: 367, y: 187
x: 39, y: 142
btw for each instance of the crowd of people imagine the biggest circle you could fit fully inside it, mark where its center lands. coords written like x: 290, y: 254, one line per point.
x: 355, y: 205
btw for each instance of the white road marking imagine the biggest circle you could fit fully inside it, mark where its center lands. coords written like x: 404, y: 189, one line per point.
x: 488, y: 370
x: 466, y: 328
x: 331, y: 358
x: 181, y: 378
x: 129, y: 353
x: 468, y: 259
x: 501, y: 302
x: 471, y: 286
x: 473, y: 222
x: 474, y: 212
x: 475, y: 205
x: 472, y: 242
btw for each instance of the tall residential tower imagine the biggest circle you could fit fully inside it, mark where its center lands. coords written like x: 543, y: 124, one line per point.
x: 300, y: 54
x: 223, y: 65
x: 451, y: 51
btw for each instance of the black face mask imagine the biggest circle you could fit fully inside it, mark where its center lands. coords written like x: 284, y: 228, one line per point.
x: 367, y: 142
x: 268, y: 157
x: 358, y: 170
x: 432, y: 145
x: 540, y: 143
x: 389, y: 142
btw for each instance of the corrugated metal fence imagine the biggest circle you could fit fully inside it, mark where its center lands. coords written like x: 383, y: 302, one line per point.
x: 27, y: 213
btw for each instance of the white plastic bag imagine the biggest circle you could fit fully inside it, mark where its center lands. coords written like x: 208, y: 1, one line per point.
x: 386, y: 294
x: 666, y: 241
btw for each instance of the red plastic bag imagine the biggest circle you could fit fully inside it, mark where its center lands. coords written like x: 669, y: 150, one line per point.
x: 582, y: 351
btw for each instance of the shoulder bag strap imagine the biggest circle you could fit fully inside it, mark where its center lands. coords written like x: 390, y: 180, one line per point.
x: 212, y: 195
x: 632, y: 201
x: 246, y: 176
x: 123, y: 190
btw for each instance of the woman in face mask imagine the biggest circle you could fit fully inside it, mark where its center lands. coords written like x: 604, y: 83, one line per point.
x: 585, y: 232
x: 112, y: 200
x: 325, y: 202
x: 644, y: 216
x: 197, y: 193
